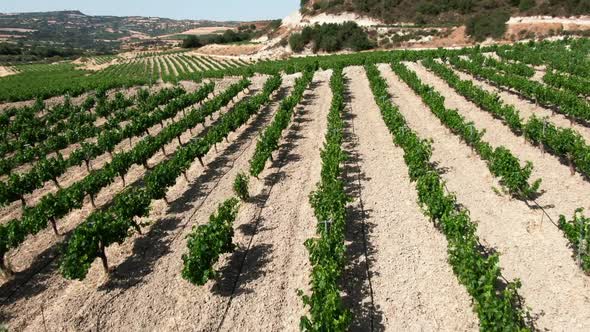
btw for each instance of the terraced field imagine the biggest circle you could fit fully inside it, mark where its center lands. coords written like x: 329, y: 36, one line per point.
x: 406, y: 190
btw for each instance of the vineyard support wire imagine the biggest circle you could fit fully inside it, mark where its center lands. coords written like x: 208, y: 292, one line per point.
x: 327, y: 225
x: 581, y: 240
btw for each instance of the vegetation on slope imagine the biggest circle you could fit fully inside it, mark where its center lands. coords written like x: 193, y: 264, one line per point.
x: 483, y: 18
x: 331, y: 38
x: 435, y: 11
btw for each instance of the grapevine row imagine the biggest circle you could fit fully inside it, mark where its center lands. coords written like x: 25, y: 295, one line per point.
x: 501, y: 162
x: 75, y: 132
x: 327, y: 252
x: 207, y: 242
x: 105, y: 227
x: 563, y: 142
x: 269, y: 140
x: 477, y: 271
x: 572, y: 83
x: 27, y: 128
x: 555, y: 55
x: 568, y: 103
x: 515, y: 68
x: 18, y: 185
x: 577, y: 231
x: 55, y: 206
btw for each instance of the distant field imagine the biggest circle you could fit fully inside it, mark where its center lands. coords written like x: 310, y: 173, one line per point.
x: 199, y: 32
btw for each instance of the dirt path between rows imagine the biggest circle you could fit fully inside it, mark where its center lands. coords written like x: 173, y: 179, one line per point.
x: 526, y: 107
x: 530, y: 249
x: 278, y: 262
x: 538, y: 76
x: 84, y: 305
x: 413, y: 285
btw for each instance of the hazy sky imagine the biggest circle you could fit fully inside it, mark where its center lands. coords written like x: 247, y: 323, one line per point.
x: 179, y: 9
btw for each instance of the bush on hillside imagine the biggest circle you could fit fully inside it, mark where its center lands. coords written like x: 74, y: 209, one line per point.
x: 525, y: 5
x: 245, y: 33
x: 447, y: 11
x: 191, y: 42
x: 296, y: 42
x: 482, y: 26
x: 332, y: 37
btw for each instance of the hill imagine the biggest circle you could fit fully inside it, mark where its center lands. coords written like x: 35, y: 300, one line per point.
x: 32, y: 36
x: 448, y: 11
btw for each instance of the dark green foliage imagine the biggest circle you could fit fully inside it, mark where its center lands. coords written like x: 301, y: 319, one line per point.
x: 491, y: 24
x: 269, y: 140
x: 563, y: 142
x: 515, y: 68
x: 331, y: 37
x: 501, y: 162
x: 569, y: 103
x: 296, y: 42
x: 453, y: 11
x: 191, y: 41
x: 228, y: 37
x: 55, y: 206
x: 108, y: 136
x: 526, y: 5
x: 327, y: 252
x: 575, y: 84
x: 163, y: 176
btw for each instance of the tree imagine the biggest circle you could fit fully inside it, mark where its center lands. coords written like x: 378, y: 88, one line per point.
x: 296, y: 42
x: 482, y: 26
x: 525, y: 5
x: 191, y: 41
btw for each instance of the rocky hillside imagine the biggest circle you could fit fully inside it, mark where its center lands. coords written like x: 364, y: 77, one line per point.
x: 449, y: 11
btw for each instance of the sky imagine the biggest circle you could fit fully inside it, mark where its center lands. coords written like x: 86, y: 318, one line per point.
x: 220, y: 10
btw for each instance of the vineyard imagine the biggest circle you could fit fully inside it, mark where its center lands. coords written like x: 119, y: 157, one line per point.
x: 404, y: 190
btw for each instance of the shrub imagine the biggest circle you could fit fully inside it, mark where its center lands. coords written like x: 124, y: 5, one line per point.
x: 296, y: 42
x: 206, y: 243
x: 482, y: 26
x: 241, y: 186
x: 191, y: 42
x: 332, y: 37
x: 526, y: 5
